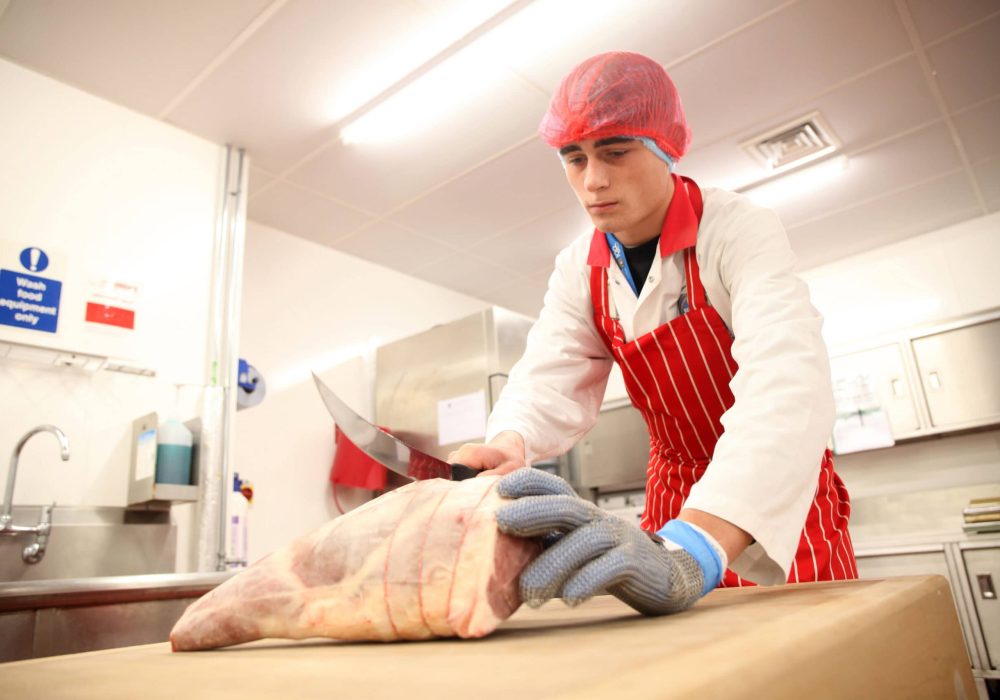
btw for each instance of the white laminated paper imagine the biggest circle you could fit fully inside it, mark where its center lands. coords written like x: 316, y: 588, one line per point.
x: 462, y: 418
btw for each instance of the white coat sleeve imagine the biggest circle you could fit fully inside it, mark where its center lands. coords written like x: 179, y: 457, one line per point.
x: 765, y: 468
x: 554, y: 392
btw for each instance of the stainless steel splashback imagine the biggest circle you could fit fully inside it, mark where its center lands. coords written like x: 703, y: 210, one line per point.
x: 457, y: 359
x: 93, y: 541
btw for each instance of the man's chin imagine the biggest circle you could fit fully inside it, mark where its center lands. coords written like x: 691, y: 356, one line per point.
x: 603, y: 223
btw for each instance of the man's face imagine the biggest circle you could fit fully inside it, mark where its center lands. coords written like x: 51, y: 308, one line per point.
x: 621, y: 184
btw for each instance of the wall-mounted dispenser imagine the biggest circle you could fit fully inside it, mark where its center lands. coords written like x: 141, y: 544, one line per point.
x: 143, y: 486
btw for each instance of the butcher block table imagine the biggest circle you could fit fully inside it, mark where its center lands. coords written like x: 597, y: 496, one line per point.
x: 890, y: 638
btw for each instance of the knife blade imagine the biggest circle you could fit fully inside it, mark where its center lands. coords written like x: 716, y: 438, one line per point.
x: 384, y: 447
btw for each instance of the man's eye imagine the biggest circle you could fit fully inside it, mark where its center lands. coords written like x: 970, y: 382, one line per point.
x: 576, y: 160
x: 617, y: 154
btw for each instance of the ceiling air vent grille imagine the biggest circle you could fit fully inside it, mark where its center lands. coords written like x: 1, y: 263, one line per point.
x: 790, y: 145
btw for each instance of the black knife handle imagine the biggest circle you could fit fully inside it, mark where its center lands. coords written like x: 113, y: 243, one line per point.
x: 460, y: 472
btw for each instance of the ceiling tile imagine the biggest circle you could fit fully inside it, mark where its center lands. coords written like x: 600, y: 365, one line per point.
x: 988, y: 177
x: 302, y: 213
x: 466, y: 274
x: 863, y: 111
x: 544, y: 41
x: 908, y: 160
x: 139, y: 54
x: 934, y: 18
x: 532, y: 247
x: 784, y: 61
x: 926, y: 207
x: 979, y: 130
x: 524, y: 295
x: 967, y: 66
x: 380, y: 176
x: 519, y: 186
x: 258, y: 178
x: 394, y: 247
x: 280, y: 93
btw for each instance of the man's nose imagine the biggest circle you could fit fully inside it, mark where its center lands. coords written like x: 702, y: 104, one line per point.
x: 596, y: 177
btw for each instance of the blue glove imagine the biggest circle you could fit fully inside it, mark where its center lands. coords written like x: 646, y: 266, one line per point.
x: 591, y: 551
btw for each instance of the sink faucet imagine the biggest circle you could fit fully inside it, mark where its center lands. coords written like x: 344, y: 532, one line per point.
x: 33, y: 553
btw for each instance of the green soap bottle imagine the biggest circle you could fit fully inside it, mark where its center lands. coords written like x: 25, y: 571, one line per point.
x: 173, y: 453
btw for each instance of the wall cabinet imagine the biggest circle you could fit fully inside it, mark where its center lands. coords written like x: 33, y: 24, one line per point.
x: 884, y: 372
x: 959, y: 373
x: 933, y: 381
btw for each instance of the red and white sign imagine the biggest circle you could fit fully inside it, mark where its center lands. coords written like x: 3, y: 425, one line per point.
x: 112, y: 304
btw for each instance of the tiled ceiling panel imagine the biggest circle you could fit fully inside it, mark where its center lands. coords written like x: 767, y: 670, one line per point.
x: 532, y: 247
x: 139, y: 53
x: 304, y: 213
x: 466, y: 274
x: 394, y: 246
x: 896, y: 164
x: 932, y: 205
x: 457, y: 189
x: 521, y: 185
x: 979, y: 129
x: 878, y: 106
x: 523, y: 295
x: 551, y: 36
x: 967, y: 65
x: 382, y: 176
x: 988, y: 177
x: 780, y: 64
x: 258, y: 178
x: 281, y: 91
x: 935, y: 19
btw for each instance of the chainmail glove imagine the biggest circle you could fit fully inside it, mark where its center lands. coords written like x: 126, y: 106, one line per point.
x: 591, y: 551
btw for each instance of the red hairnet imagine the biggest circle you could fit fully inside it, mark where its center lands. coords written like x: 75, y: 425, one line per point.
x: 617, y: 94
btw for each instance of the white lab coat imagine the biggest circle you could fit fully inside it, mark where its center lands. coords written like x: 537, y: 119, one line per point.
x: 764, y: 471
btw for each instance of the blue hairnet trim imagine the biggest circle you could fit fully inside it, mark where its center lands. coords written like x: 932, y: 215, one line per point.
x: 657, y: 151
x: 697, y: 546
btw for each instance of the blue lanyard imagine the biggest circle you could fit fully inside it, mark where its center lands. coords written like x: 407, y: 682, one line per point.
x: 618, y: 252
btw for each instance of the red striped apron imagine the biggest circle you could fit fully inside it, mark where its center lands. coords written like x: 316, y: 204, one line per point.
x: 678, y: 377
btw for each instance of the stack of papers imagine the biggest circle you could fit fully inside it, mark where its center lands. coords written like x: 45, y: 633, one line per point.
x: 982, y: 515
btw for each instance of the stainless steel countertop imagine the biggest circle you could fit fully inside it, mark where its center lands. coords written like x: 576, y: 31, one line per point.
x: 22, y: 595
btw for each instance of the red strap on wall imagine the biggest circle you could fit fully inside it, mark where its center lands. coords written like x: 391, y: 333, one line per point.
x: 352, y: 467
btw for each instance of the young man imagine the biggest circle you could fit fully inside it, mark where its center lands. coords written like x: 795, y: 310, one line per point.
x: 692, y: 293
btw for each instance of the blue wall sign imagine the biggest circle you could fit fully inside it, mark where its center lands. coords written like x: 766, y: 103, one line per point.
x: 27, y: 301
x: 34, y: 259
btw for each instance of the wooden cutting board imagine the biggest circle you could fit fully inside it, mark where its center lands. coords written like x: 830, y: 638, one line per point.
x: 887, y: 638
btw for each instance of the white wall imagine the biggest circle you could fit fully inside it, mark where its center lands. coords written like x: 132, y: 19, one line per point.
x: 307, y: 307
x: 110, y: 195
x: 915, y: 487
x: 922, y: 280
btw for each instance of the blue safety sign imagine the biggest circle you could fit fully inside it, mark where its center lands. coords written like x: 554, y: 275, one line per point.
x: 34, y: 259
x: 29, y: 301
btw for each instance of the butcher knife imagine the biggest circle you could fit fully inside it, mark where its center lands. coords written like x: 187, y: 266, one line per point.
x: 384, y: 447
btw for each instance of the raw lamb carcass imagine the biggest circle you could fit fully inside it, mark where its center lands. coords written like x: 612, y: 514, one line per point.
x: 420, y: 562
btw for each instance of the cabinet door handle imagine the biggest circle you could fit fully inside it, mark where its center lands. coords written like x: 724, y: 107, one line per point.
x: 897, y: 387
x: 986, y: 589
x: 934, y: 380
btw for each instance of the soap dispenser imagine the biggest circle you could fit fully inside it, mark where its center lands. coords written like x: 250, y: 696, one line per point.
x: 173, y: 453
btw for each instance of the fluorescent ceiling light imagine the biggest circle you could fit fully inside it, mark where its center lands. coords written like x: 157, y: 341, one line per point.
x: 795, y: 183
x: 377, y: 71
x: 459, y: 79
x: 474, y: 70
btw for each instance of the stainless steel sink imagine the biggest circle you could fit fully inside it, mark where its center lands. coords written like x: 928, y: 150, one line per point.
x: 67, y: 616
